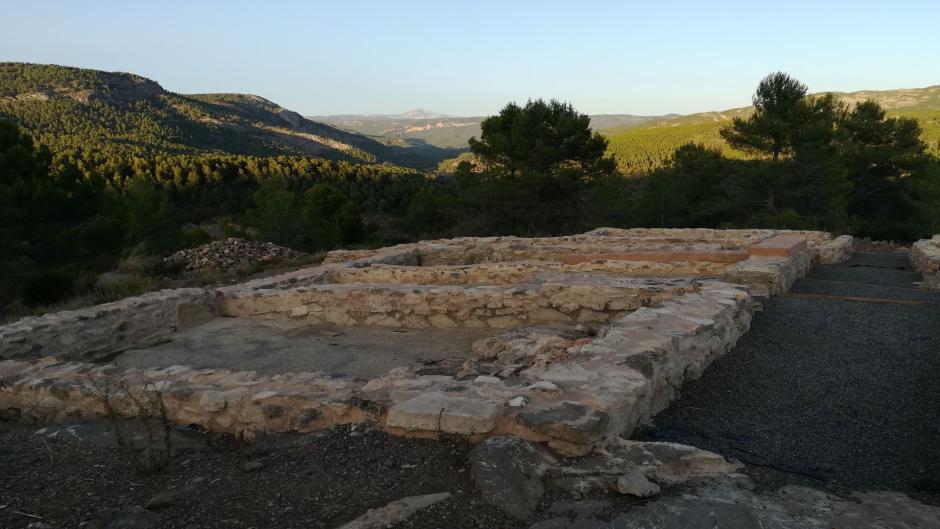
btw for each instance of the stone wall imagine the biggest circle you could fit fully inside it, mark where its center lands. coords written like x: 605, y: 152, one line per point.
x: 561, y: 385
x: 103, y: 331
x: 589, y: 392
x: 925, y: 258
x: 549, y: 298
x: 507, y: 273
x: 835, y: 251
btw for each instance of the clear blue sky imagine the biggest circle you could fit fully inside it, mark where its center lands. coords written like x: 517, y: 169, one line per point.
x: 471, y: 57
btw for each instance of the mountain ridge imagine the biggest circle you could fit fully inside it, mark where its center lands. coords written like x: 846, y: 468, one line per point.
x: 643, y: 147
x: 68, y: 107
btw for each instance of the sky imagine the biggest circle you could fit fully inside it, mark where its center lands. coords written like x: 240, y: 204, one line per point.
x: 472, y: 57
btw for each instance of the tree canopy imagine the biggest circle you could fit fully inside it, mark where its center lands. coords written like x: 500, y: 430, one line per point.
x: 541, y: 138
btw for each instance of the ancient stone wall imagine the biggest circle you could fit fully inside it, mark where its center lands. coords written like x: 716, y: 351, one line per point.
x: 592, y: 334
x: 835, y: 251
x: 550, y: 298
x: 925, y: 258
x: 572, y: 394
x: 100, y: 332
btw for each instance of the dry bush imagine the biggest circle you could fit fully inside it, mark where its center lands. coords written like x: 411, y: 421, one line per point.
x: 139, y: 418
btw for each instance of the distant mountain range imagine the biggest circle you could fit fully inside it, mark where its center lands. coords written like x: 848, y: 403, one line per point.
x: 422, y: 127
x: 68, y: 107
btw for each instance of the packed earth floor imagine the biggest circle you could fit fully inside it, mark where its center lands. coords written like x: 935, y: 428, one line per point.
x: 834, y: 386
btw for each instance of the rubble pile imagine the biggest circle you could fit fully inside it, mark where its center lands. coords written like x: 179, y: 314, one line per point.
x: 228, y: 254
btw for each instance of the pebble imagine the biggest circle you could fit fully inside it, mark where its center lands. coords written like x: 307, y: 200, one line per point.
x: 160, y: 501
x: 253, y: 466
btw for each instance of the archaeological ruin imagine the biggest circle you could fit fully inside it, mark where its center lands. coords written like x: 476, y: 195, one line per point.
x: 566, y: 341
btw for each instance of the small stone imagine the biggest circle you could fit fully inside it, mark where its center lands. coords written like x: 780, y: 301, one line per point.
x: 164, y: 499
x: 299, y: 312
x: 395, y: 512
x: 543, y: 385
x: 518, y: 402
x: 253, y: 466
x: 484, y: 379
x: 135, y: 517
x: 636, y: 484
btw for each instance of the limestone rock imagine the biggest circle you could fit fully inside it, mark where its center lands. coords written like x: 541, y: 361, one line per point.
x: 436, y: 411
x: 395, y: 512
x: 636, y: 484
x: 507, y: 471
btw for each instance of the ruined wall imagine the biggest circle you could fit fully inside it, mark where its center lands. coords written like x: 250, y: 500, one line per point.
x: 505, y: 273
x: 565, y: 387
x: 925, y: 258
x: 595, y: 390
x: 100, y: 332
x: 835, y: 251
x: 551, y: 298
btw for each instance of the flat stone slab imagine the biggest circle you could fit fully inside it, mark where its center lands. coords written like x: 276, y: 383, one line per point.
x: 436, y: 412
x: 780, y: 246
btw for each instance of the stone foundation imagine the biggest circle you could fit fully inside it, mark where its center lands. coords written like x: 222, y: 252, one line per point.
x: 591, y: 335
x: 550, y: 298
x: 586, y: 392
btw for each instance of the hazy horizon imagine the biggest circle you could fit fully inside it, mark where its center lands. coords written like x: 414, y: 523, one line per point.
x: 470, y: 59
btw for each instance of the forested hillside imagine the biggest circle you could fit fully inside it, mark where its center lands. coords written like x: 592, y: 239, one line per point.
x: 122, y: 113
x: 642, y: 148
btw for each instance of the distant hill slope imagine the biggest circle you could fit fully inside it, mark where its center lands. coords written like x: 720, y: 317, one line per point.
x: 641, y: 148
x: 419, y: 127
x: 68, y: 107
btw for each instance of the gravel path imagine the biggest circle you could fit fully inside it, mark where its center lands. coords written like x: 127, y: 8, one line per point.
x: 828, y: 392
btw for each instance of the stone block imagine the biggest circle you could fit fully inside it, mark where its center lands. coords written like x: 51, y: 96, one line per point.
x: 437, y: 412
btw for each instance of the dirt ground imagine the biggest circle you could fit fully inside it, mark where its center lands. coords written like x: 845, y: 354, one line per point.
x: 270, y: 347
x: 69, y: 479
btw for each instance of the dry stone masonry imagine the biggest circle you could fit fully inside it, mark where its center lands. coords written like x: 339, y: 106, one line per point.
x: 925, y: 258
x: 590, y: 335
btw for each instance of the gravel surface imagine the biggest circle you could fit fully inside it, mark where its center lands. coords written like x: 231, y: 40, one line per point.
x: 825, y: 392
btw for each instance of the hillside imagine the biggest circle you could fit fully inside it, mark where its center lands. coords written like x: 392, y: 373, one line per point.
x: 646, y: 146
x: 68, y: 107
